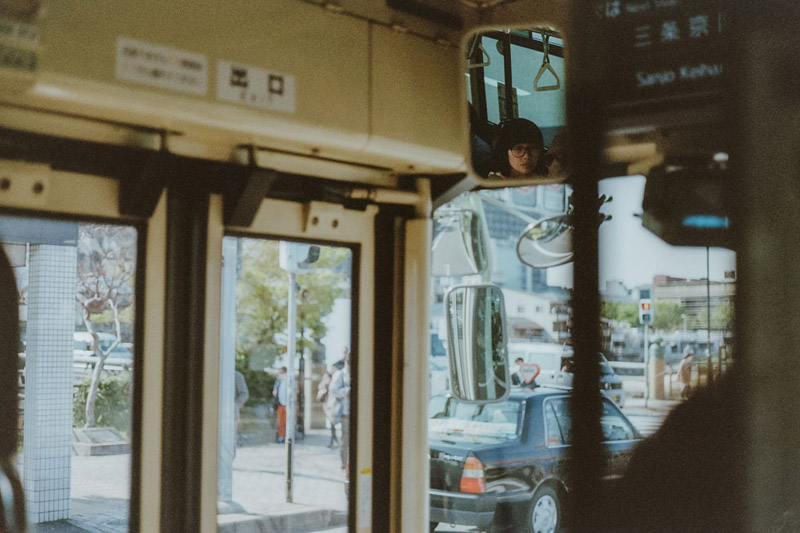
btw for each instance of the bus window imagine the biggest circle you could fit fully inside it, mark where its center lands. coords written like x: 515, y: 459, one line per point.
x: 667, y: 330
x: 268, y: 467
x: 77, y: 296
x: 537, y: 317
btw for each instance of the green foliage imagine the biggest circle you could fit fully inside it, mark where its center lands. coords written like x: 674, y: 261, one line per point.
x: 262, y: 302
x: 668, y: 316
x: 622, y: 312
x: 259, y: 385
x: 722, y: 316
x: 113, y: 407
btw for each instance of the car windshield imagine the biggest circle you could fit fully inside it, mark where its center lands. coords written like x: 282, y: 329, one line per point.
x: 465, y: 422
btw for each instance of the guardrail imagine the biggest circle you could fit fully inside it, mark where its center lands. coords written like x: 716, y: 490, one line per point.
x: 84, y: 362
x: 625, y: 368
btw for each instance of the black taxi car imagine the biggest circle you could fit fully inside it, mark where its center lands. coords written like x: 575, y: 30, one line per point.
x: 503, y: 465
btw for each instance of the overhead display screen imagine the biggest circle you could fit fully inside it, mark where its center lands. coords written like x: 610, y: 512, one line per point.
x: 663, y: 52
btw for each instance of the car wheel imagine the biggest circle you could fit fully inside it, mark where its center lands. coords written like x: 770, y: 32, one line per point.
x: 545, y: 511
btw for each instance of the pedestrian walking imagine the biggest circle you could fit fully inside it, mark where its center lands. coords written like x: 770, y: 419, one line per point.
x: 241, y: 394
x: 685, y: 372
x: 340, y: 389
x: 281, y: 394
x: 330, y: 404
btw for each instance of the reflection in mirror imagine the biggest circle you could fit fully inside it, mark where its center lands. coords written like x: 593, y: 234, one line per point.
x: 546, y: 243
x: 476, y: 343
x: 459, y: 243
x: 516, y: 97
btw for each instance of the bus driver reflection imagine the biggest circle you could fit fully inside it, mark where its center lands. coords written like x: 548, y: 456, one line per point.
x: 518, y: 150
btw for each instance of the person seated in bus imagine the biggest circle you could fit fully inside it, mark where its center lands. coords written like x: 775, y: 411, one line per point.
x: 518, y: 150
x: 480, y: 150
x: 555, y: 157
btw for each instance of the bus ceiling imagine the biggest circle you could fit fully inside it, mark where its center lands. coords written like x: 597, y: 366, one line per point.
x: 346, y: 107
x: 117, y: 76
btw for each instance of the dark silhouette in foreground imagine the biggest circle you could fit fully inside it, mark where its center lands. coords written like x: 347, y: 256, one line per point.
x: 689, y: 475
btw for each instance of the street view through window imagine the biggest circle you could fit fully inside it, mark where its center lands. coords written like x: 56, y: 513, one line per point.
x: 666, y: 329
x: 76, y: 284
x: 285, y: 356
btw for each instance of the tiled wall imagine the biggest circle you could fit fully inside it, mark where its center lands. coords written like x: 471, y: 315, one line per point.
x: 48, y: 382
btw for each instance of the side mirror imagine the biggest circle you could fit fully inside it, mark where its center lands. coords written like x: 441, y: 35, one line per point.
x: 476, y: 343
x: 459, y: 244
x: 546, y: 243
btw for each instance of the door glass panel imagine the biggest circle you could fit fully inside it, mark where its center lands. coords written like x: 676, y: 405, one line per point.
x: 76, y: 287
x: 269, y: 476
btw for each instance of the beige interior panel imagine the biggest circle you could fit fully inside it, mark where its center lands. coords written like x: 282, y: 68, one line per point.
x: 328, y: 60
x: 153, y: 370
x: 416, y: 98
x: 35, y: 186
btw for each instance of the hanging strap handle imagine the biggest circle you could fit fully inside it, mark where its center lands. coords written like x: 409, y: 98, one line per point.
x: 546, y: 67
x: 486, y: 59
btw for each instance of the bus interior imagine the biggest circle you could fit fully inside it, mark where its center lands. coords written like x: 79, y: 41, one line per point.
x: 312, y: 248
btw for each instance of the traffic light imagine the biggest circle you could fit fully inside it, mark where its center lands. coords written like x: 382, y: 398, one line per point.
x: 645, y: 311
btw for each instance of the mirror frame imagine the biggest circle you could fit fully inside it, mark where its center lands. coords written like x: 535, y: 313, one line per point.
x: 558, y: 259
x: 469, y: 250
x: 450, y: 343
x: 474, y: 179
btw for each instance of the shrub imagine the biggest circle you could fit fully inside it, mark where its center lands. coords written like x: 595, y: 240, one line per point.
x: 113, y: 404
x: 259, y: 385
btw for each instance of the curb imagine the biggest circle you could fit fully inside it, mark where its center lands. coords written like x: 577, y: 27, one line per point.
x: 295, y: 521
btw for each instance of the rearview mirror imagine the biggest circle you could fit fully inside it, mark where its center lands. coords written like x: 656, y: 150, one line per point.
x: 476, y: 343
x: 459, y: 244
x: 516, y: 103
x: 546, y: 243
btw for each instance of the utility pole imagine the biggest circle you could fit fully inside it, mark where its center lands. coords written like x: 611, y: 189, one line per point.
x: 710, y: 379
x: 646, y: 365
x: 294, y: 258
x: 290, y: 382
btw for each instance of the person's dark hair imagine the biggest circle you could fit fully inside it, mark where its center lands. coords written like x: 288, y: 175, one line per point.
x: 513, y: 132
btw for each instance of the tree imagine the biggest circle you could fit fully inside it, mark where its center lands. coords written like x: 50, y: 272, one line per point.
x: 106, y: 269
x: 262, y: 301
x: 668, y: 316
x: 621, y: 312
x: 722, y: 316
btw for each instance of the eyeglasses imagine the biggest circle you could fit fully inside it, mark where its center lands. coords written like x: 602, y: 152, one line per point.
x: 520, y: 149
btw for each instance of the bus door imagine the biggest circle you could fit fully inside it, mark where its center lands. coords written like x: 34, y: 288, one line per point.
x: 86, y: 374
x: 299, y: 403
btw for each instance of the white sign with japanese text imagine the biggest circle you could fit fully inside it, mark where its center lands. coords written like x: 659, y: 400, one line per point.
x: 161, y: 66
x: 257, y: 87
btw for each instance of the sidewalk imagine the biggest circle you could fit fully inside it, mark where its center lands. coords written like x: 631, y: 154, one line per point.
x: 100, y: 490
x: 654, y: 407
x: 259, y: 486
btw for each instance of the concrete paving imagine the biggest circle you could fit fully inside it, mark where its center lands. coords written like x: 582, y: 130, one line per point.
x: 100, y: 491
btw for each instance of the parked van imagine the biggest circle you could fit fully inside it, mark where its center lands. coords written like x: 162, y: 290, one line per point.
x: 555, y: 362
